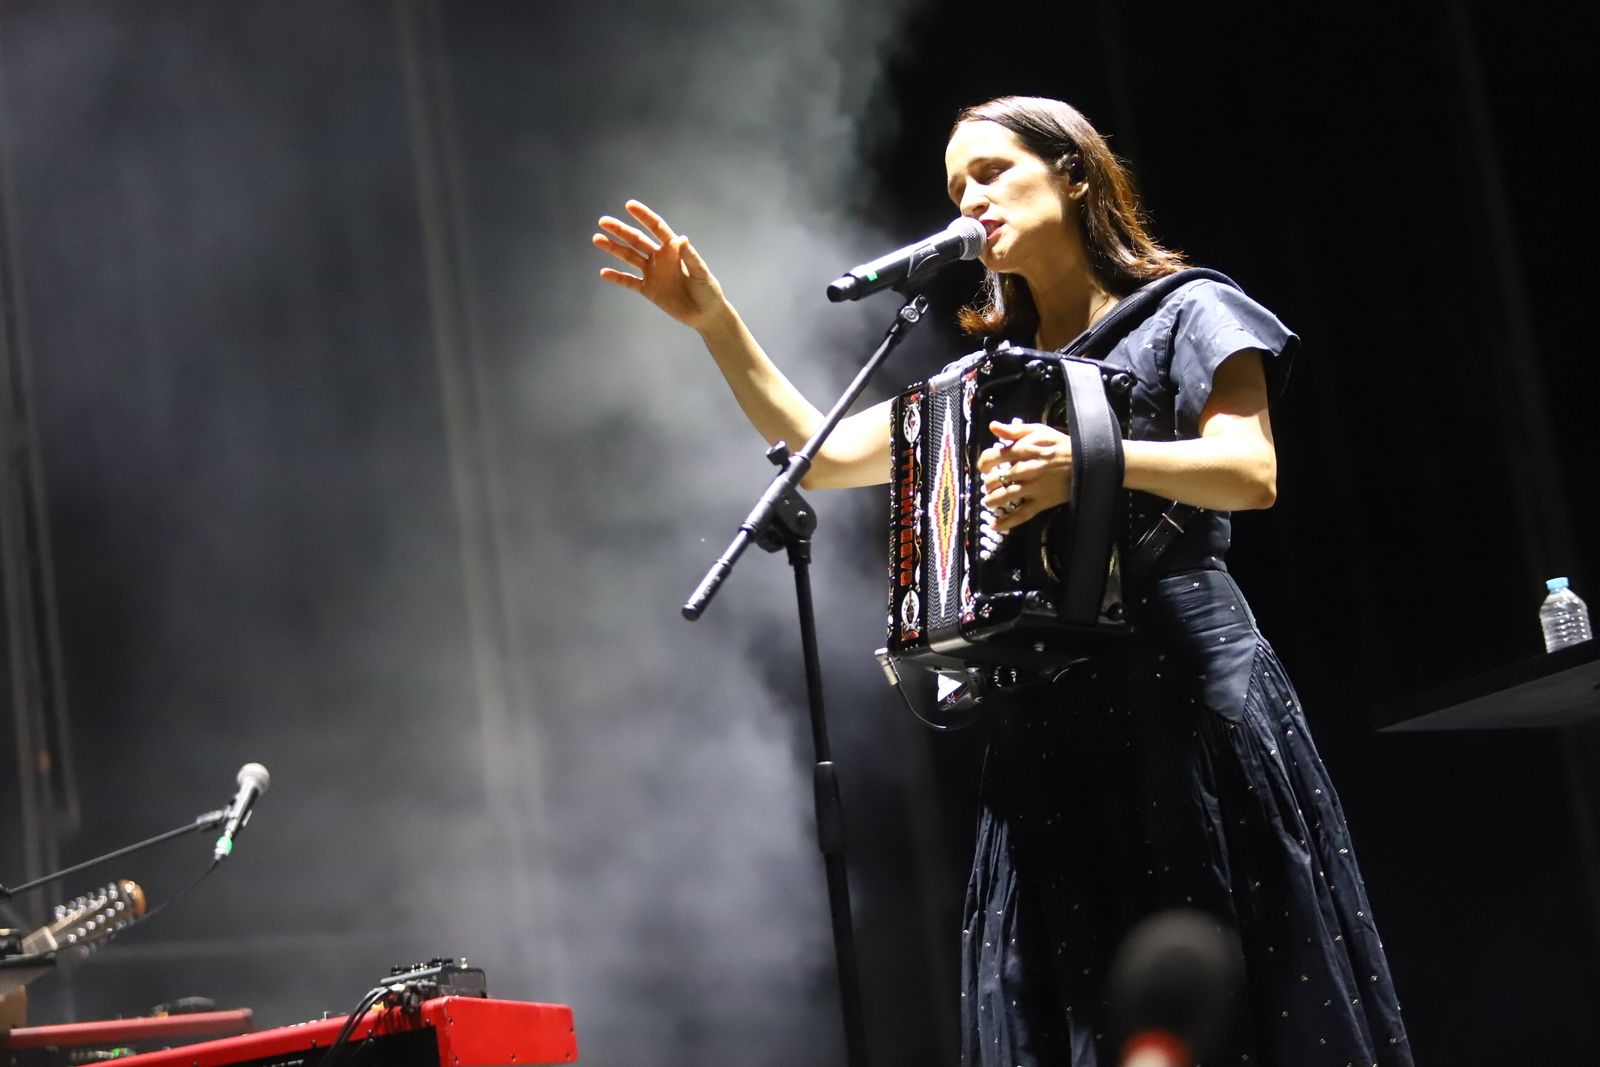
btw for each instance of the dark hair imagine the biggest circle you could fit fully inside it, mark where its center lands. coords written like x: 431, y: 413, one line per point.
x: 1122, y: 254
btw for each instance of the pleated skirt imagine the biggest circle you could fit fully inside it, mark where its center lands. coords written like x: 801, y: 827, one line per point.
x: 1123, y: 789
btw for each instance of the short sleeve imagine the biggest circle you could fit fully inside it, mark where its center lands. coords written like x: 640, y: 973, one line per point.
x: 1214, y: 321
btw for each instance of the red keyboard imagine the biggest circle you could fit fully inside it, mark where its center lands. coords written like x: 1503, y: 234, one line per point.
x: 446, y: 1032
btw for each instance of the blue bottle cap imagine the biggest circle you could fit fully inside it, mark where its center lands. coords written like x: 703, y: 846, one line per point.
x: 1555, y: 583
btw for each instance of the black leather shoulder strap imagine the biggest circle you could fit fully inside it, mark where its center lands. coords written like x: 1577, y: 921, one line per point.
x: 1133, y: 309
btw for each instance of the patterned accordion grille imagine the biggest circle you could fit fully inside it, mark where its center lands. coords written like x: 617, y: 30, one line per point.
x: 946, y: 479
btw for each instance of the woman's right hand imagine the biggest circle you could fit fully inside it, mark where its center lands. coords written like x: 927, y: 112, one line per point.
x: 672, y: 276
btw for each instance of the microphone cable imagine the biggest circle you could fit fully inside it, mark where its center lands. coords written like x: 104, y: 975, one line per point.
x: 153, y: 912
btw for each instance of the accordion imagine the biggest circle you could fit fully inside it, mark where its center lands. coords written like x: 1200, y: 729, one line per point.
x: 1044, y: 593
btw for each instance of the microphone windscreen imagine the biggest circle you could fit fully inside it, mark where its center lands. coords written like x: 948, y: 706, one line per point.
x: 255, y: 772
x: 1176, y: 973
x: 971, y: 232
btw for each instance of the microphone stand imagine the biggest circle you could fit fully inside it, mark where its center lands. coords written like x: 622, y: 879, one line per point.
x: 211, y: 820
x: 783, y: 519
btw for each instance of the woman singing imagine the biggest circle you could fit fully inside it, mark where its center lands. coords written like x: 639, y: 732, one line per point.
x: 1175, y: 771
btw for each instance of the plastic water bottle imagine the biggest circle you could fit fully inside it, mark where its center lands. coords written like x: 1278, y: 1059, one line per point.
x: 1564, y: 617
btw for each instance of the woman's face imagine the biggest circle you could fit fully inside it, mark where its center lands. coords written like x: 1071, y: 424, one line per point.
x: 1024, y: 205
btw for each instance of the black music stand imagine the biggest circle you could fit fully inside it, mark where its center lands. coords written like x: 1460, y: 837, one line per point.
x: 1559, y: 689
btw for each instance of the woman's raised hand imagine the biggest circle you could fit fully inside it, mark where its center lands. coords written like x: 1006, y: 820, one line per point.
x: 672, y: 276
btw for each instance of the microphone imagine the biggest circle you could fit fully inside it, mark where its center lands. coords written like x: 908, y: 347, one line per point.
x: 1173, y: 989
x: 962, y: 239
x: 253, y: 781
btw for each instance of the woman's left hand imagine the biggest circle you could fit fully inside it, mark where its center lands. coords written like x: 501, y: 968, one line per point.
x: 1027, y: 471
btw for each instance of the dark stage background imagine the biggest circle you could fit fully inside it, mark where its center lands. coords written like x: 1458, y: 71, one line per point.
x: 328, y: 450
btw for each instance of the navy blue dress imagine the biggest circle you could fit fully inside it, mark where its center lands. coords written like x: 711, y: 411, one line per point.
x: 1176, y: 771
